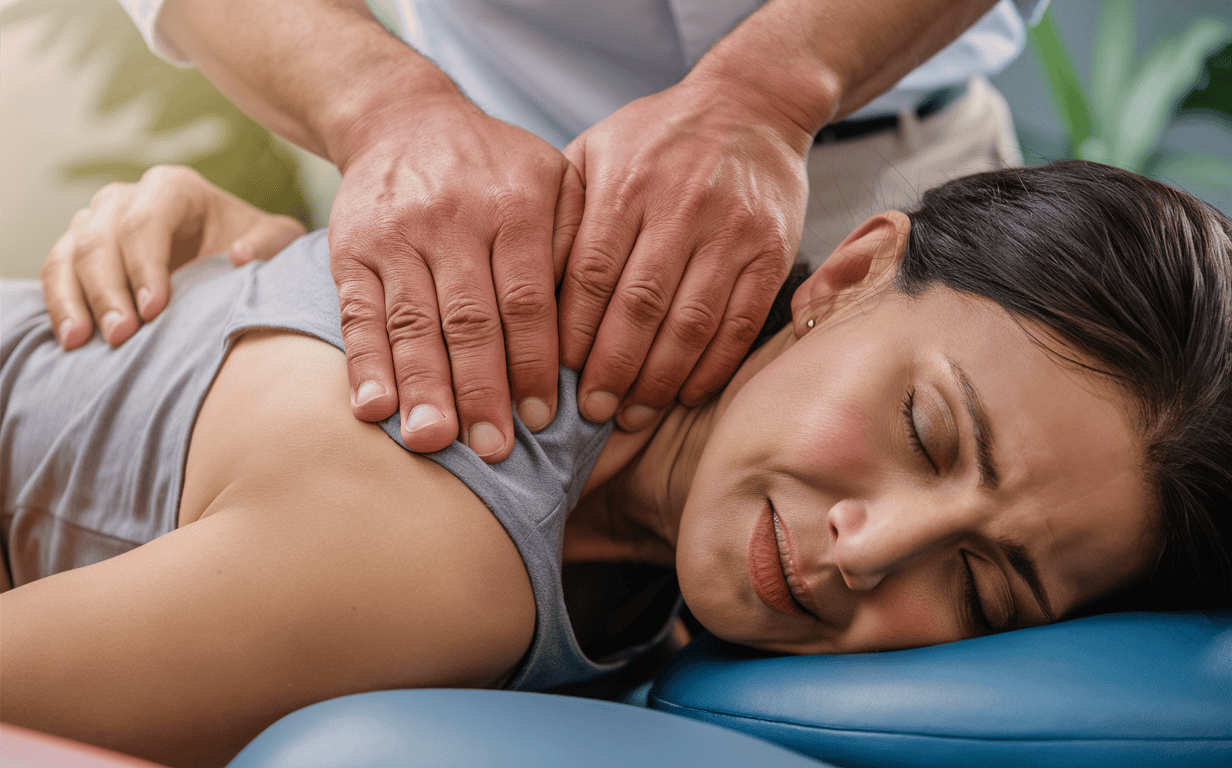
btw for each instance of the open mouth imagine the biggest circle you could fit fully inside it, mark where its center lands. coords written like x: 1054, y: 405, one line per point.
x: 769, y: 567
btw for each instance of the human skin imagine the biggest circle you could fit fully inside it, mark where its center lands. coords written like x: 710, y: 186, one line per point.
x: 448, y: 291
x: 287, y: 580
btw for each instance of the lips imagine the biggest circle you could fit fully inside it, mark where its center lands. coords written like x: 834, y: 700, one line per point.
x: 766, y: 567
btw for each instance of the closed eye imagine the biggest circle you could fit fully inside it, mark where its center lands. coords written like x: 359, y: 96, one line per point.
x: 976, y: 617
x: 913, y: 432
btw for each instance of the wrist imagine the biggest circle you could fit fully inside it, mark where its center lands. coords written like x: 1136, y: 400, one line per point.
x: 796, y: 98
x: 392, y: 96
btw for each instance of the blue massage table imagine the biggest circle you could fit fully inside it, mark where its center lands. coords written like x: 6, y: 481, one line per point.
x: 1133, y: 689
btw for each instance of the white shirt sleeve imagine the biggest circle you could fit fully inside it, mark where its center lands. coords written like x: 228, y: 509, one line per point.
x: 144, y: 14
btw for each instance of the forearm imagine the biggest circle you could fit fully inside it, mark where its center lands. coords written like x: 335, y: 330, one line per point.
x: 817, y: 61
x: 321, y: 73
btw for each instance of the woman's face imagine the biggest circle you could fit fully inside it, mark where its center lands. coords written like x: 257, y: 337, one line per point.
x: 910, y: 472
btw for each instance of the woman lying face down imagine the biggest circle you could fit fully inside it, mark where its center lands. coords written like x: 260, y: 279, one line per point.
x: 1012, y: 406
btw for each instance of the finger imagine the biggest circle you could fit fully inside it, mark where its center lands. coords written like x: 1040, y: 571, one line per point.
x: 606, y: 235
x: 746, y: 311
x: 361, y: 301
x: 420, y: 360
x: 145, y: 241
x: 100, y: 268
x: 269, y: 236
x: 634, y: 314
x: 70, y: 316
x: 568, y: 218
x: 471, y: 324
x: 696, y: 312
x: 522, y: 274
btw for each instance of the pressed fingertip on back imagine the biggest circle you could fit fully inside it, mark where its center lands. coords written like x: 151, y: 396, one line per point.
x: 371, y: 401
x: 534, y: 413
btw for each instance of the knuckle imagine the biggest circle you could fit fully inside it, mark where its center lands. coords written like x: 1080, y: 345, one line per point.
x: 169, y: 176
x: 695, y: 321
x: 467, y: 321
x: 80, y: 220
x: 516, y: 200
x: 440, y: 212
x: 526, y: 300
x: 657, y: 387
x: 743, y: 217
x: 618, y: 371
x: 357, y: 305
x: 136, y: 219
x: 529, y: 366
x: 644, y: 301
x: 594, y: 271
x: 89, y: 245
x: 108, y: 194
x: 742, y: 328
x: 409, y: 322
x: 477, y: 395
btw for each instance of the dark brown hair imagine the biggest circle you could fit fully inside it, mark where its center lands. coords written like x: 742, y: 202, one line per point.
x: 1136, y: 277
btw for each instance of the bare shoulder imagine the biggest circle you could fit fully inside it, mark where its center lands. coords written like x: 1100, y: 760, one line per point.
x: 276, y: 440
x: 317, y: 559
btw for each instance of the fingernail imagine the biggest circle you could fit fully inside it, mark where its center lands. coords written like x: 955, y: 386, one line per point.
x: 534, y: 413
x: 108, y: 322
x: 144, y: 296
x: 485, y: 439
x: 371, y: 390
x: 637, y: 417
x: 66, y: 325
x: 422, y: 416
x: 599, y: 406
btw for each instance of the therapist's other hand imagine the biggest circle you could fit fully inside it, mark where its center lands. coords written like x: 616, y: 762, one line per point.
x: 112, y: 267
x: 695, y: 202
x: 447, y: 238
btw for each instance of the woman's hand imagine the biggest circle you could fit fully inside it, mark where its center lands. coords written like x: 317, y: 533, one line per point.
x: 127, y: 243
x: 695, y: 202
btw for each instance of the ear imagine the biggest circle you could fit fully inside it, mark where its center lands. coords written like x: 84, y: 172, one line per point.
x: 866, y: 259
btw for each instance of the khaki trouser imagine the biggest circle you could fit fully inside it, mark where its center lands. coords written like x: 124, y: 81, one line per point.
x: 854, y: 179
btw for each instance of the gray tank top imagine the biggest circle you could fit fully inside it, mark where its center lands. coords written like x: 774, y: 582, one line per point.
x: 93, y: 442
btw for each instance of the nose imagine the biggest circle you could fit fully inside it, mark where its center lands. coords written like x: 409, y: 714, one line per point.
x: 870, y: 540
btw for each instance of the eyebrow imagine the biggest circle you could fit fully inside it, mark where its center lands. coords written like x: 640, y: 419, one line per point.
x: 981, y: 426
x: 1021, y: 562
x: 1016, y: 554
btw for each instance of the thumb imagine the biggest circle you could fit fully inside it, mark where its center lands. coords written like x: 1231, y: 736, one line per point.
x: 265, y: 239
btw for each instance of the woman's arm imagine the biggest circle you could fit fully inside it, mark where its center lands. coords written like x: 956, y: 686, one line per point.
x: 324, y: 560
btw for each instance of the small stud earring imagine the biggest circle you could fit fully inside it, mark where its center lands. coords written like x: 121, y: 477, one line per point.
x: 810, y: 322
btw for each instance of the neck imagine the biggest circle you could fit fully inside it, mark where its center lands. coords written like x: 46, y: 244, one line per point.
x: 632, y: 503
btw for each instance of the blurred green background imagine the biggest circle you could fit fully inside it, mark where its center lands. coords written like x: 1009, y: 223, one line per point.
x: 1144, y: 85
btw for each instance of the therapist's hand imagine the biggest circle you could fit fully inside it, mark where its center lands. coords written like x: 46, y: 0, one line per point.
x: 695, y: 202
x: 121, y: 250
x: 447, y: 238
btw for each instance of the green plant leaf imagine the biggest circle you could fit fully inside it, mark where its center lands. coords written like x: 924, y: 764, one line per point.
x: 1200, y: 169
x: 1170, y: 71
x: 1057, y: 69
x: 1214, y: 94
x: 1111, y: 61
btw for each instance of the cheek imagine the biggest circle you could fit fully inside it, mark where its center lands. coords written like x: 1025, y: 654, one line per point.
x: 840, y: 440
x: 901, y: 616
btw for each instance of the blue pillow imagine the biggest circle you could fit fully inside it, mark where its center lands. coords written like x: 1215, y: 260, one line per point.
x: 1149, y: 689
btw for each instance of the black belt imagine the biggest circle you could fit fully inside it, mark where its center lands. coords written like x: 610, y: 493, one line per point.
x: 852, y: 129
